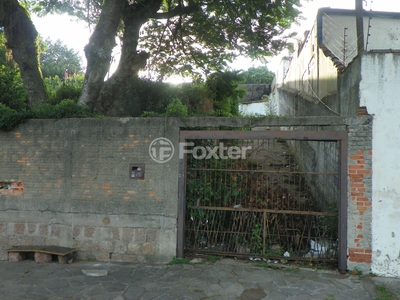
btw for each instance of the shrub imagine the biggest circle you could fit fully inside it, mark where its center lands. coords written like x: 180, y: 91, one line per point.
x: 9, y: 118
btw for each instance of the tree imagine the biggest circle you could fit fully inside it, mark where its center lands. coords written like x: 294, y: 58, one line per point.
x: 56, y: 59
x: 171, y: 36
x: 258, y: 75
x: 21, y: 38
x: 12, y: 92
x: 225, y: 92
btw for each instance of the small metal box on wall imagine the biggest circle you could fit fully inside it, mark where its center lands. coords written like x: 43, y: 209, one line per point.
x: 136, y: 171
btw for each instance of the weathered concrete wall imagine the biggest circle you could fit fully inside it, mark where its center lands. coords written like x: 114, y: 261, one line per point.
x: 379, y: 92
x: 310, y: 71
x: 294, y: 103
x: 68, y: 183
x: 77, y: 191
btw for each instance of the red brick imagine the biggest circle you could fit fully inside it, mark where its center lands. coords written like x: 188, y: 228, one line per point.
x: 55, y: 230
x: 356, y: 167
x: 43, y: 229
x: 362, y: 199
x: 31, y: 228
x: 89, y: 231
x: 356, y: 250
x: 19, y: 228
x: 355, y: 157
x: 359, y: 226
x: 364, y: 171
x: 357, y: 185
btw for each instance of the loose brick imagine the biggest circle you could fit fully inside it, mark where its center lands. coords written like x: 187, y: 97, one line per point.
x: 16, y: 256
x: 43, y: 257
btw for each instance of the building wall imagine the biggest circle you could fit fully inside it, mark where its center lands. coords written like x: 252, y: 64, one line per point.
x: 310, y: 71
x: 379, y: 92
x: 339, y: 34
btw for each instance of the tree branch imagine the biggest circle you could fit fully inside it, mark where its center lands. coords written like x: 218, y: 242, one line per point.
x: 177, y: 11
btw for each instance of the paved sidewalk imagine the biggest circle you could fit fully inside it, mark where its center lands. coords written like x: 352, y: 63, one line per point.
x: 226, y: 279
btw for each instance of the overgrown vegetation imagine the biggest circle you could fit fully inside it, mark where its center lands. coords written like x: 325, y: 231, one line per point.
x: 384, y: 293
x: 218, y: 95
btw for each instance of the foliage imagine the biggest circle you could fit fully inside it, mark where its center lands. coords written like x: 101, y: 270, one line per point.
x: 256, y: 237
x: 56, y: 59
x: 59, y: 90
x: 224, y: 92
x: 144, y: 95
x: 179, y: 261
x: 384, y: 293
x: 258, y: 75
x: 190, y: 37
x: 65, y: 109
x: 9, y: 118
x: 176, y: 109
x: 12, y: 92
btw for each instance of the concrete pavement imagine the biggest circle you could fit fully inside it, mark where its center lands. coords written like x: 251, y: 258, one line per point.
x: 225, y: 279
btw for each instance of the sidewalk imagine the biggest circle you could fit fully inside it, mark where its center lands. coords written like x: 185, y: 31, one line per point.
x: 226, y: 279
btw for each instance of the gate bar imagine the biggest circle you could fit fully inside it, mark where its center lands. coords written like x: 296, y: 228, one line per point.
x: 340, y: 136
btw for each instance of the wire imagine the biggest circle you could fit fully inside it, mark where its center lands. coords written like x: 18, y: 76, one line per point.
x: 316, y: 96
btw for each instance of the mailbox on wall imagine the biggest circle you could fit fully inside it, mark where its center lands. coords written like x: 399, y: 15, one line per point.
x: 136, y: 171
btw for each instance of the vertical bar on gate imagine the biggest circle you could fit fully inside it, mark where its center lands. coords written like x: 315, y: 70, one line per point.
x: 342, y: 255
x: 264, y: 232
x: 181, y: 204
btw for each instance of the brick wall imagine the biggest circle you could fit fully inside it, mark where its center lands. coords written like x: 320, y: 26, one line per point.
x: 360, y: 198
x: 70, y: 185
x: 67, y: 183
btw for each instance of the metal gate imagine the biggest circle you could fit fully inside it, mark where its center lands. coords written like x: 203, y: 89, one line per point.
x: 273, y: 194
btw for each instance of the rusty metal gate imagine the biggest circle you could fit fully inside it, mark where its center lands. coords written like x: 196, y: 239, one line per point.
x: 272, y: 194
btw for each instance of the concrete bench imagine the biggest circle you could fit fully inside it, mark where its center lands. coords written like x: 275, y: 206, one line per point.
x: 42, y: 254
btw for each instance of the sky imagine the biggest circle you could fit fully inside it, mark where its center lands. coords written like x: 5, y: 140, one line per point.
x: 76, y: 35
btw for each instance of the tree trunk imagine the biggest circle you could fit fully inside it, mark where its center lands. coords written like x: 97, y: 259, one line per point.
x: 21, y: 39
x: 98, y: 51
x: 107, y: 98
x: 111, y: 100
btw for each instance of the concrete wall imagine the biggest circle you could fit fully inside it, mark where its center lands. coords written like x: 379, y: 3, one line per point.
x: 310, y: 71
x: 339, y: 34
x: 74, y: 188
x: 379, y: 92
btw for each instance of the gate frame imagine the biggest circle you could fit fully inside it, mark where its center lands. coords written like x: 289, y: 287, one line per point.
x: 340, y: 136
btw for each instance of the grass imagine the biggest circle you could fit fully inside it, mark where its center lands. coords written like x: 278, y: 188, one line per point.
x: 291, y: 270
x: 212, y: 259
x: 268, y: 266
x: 179, y: 261
x: 384, y: 293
